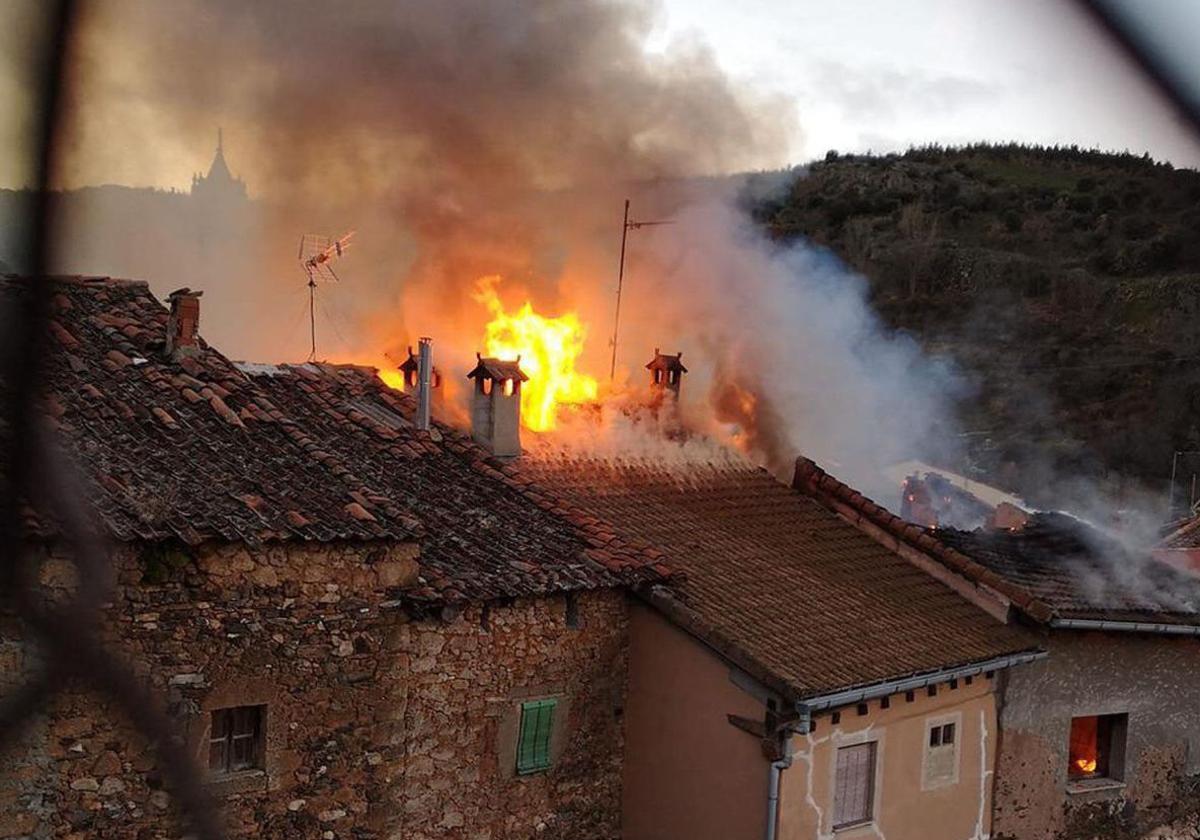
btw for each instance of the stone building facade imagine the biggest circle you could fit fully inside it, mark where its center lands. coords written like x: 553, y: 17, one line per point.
x: 365, y: 627
x: 376, y: 721
x: 1147, y: 682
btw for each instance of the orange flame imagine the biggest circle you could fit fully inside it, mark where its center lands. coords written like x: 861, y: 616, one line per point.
x: 1086, y: 765
x: 549, y: 349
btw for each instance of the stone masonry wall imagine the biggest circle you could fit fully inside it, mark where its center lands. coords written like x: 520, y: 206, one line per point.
x: 378, y: 725
x: 1152, y: 678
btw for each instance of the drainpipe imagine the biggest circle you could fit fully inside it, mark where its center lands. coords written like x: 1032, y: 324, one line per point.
x: 784, y: 734
x: 776, y: 769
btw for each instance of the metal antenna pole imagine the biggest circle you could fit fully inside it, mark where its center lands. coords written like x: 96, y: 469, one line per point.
x: 612, y: 371
x: 312, y: 318
x: 626, y: 226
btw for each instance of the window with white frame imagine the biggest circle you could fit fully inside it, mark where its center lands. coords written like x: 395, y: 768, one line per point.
x: 939, y: 766
x: 854, y: 785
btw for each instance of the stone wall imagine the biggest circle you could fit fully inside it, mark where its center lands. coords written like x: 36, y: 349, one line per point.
x: 1152, y: 678
x: 378, y: 724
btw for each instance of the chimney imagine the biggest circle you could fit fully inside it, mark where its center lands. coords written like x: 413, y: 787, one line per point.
x: 496, y: 405
x: 183, y: 324
x: 666, y: 372
x: 410, y: 368
x: 424, y: 381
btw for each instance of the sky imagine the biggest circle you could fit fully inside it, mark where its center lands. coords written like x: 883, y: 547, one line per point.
x: 879, y: 75
x: 861, y: 75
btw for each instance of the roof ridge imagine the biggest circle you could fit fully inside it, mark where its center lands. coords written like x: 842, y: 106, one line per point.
x: 814, y: 482
x: 78, y: 280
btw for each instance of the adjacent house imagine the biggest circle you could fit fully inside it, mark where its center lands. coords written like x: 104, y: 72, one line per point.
x: 1102, y: 737
x: 365, y: 627
x: 799, y: 679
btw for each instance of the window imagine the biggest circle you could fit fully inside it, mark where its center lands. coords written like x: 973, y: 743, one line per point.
x: 854, y: 785
x: 236, y: 740
x: 941, y: 735
x: 533, y: 744
x: 572, y: 611
x: 1097, y: 747
x: 940, y: 765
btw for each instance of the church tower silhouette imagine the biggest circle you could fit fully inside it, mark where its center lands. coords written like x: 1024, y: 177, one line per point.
x: 219, y: 185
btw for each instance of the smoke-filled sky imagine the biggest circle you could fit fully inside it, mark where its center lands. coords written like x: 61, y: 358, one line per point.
x: 470, y: 138
x: 861, y: 75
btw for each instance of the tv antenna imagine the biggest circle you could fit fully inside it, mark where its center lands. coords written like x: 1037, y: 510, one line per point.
x: 317, y: 254
x: 626, y: 226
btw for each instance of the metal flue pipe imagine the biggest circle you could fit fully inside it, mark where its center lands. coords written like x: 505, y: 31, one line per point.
x: 424, y: 382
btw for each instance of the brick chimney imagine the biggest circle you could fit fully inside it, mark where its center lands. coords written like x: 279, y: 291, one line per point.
x: 183, y: 324
x: 496, y: 405
x: 666, y: 372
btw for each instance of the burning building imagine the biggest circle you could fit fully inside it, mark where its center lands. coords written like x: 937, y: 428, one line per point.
x: 1100, y: 733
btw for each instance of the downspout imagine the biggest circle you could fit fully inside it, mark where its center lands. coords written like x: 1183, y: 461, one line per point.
x: 776, y: 768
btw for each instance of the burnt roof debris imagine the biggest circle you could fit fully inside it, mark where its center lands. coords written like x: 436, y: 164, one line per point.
x: 1054, y: 567
x: 1082, y: 572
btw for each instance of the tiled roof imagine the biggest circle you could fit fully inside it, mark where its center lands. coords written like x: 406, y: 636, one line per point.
x: 190, y: 449
x: 1185, y: 535
x: 202, y: 449
x: 486, y: 533
x: 782, y: 586
x: 1056, y: 567
x: 1081, y: 573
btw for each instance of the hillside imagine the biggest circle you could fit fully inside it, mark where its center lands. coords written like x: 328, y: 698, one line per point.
x: 1066, y: 283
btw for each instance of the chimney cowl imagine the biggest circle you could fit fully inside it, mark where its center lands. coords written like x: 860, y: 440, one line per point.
x: 183, y: 323
x: 666, y: 371
x: 496, y: 405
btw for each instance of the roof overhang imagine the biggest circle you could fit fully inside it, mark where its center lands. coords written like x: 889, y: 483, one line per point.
x: 861, y: 694
x: 1125, y: 626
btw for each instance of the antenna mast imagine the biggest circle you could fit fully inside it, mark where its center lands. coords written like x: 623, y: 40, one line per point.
x: 316, y: 255
x: 626, y: 226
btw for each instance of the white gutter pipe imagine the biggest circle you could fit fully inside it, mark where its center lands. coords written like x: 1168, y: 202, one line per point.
x: 1125, y: 626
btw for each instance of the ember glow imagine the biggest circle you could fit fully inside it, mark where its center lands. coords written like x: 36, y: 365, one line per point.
x: 549, y: 349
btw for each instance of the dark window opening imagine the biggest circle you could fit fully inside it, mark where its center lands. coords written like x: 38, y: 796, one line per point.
x: 862, y: 709
x: 1097, y: 747
x: 940, y: 736
x: 237, y: 739
x: 657, y: 377
x: 572, y: 611
x: 485, y: 617
x: 885, y: 702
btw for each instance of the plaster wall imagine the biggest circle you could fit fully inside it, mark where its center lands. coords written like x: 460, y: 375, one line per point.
x: 908, y: 804
x: 689, y: 773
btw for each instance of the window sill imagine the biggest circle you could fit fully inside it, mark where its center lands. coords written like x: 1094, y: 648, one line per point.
x: 239, y: 781
x: 854, y: 826
x: 1085, y: 786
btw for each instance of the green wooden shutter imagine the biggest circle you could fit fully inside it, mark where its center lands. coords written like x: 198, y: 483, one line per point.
x: 533, y: 744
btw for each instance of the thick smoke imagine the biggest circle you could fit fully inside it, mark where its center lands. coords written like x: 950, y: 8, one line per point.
x: 477, y: 137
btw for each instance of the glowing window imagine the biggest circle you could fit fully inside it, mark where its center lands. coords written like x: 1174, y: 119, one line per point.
x: 1097, y: 747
